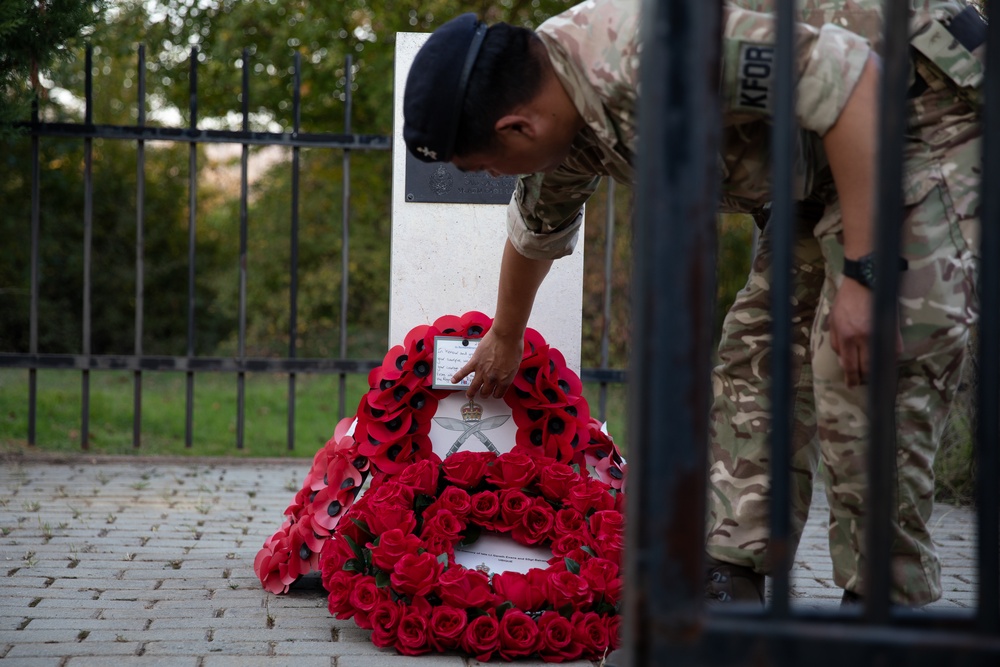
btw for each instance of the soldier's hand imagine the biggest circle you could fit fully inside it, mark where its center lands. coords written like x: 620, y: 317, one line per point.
x: 495, y: 363
x: 850, y: 330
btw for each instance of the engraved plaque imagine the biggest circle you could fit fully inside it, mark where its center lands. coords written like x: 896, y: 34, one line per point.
x: 443, y: 183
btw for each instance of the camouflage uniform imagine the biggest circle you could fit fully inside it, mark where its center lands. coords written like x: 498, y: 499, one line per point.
x: 937, y: 305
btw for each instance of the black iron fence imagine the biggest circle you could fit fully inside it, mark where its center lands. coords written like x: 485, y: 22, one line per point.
x: 667, y: 622
x: 190, y: 363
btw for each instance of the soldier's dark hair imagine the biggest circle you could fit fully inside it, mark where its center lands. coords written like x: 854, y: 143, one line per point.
x: 508, y: 73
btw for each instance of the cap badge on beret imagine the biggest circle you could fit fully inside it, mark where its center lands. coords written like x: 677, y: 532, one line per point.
x: 427, y: 152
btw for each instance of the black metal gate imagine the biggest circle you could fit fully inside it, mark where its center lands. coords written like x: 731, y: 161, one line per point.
x: 190, y: 363
x: 666, y: 620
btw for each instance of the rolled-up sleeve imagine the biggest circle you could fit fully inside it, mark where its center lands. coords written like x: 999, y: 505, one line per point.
x: 545, y: 212
x: 828, y: 64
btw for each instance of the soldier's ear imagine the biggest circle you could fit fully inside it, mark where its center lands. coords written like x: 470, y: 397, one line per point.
x: 515, y: 124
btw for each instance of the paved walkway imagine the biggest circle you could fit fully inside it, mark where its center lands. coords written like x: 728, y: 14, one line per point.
x: 150, y: 562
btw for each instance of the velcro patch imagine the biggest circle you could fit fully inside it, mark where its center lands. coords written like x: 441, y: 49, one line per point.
x: 755, y: 78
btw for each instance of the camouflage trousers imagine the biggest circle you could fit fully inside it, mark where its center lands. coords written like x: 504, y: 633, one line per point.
x: 937, y: 305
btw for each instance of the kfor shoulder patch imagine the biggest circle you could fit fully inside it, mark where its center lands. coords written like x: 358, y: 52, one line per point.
x: 755, y: 78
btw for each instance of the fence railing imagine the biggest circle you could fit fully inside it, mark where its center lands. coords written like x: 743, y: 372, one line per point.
x: 666, y: 620
x: 190, y: 363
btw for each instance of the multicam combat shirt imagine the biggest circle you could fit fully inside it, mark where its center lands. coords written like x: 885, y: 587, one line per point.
x: 594, y: 48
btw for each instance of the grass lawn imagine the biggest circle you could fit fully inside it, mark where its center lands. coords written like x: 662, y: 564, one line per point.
x: 163, y: 403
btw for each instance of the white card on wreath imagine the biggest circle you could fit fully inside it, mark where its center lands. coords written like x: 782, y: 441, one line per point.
x: 451, y: 354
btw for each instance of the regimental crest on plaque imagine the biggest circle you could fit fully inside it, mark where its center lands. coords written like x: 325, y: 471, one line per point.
x: 441, y: 181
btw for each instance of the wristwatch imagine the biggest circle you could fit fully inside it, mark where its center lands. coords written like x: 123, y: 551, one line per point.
x: 861, y: 270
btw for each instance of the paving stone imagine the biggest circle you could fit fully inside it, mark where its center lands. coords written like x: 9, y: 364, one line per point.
x: 259, y: 661
x: 137, y: 661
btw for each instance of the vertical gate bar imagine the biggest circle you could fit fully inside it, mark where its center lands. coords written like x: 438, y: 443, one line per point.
x: 345, y: 238
x: 609, y: 256
x: 36, y: 224
x: 781, y: 227
x: 673, y: 291
x: 140, y: 215
x: 192, y: 216
x: 988, y: 462
x: 293, y: 291
x: 244, y: 168
x: 88, y: 238
x: 881, y: 502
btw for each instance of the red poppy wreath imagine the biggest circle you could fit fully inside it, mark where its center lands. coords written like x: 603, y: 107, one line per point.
x: 388, y: 555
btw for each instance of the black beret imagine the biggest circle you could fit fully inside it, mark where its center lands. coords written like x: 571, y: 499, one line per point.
x: 435, y: 88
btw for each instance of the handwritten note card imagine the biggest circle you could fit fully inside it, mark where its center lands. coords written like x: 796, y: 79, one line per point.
x: 450, y: 355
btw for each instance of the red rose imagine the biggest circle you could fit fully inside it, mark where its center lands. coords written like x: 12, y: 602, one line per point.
x: 466, y: 469
x: 421, y: 477
x: 392, y: 545
x: 482, y: 637
x: 602, y: 577
x: 411, y: 635
x: 415, y: 574
x: 589, y: 495
x: 512, y: 471
x: 339, y: 587
x: 384, y: 620
x: 364, y: 597
x: 348, y: 528
x: 556, y: 480
x: 464, y: 588
x: 447, y: 625
x: 524, y: 591
x: 620, y: 502
x: 557, y: 642
x: 568, y: 522
x: 484, y: 508
x: 614, y: 625
x: 442, y: 528
x: 332, y: 557
x: 610, y: 547
x: 567, y: 544
x: 590, y: 632
x: 453, y: 499
x: 389, y: 494
x: 513, y: 505
x: 536, y: 524
x: 519, y: 635
x: 607, y: 522
x: 386, y: 518
x: 565, y: 588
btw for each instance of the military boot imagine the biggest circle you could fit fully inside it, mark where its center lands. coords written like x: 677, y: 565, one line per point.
x: 733, y: 583
x: 850, y: 597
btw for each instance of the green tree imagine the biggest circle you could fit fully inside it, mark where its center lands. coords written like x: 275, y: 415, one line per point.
x: 34, y: 33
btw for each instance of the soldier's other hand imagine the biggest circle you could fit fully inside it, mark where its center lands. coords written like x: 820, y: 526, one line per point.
x: 850, y: 330
x: 495, y: 363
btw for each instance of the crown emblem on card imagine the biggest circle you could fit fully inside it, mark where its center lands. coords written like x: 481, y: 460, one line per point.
x: 472, y: 412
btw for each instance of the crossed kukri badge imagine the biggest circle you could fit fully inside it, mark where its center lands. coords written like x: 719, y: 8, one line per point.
x: 471, y: 424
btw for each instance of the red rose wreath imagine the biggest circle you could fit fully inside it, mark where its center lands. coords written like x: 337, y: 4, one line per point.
x: 388, y: 556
